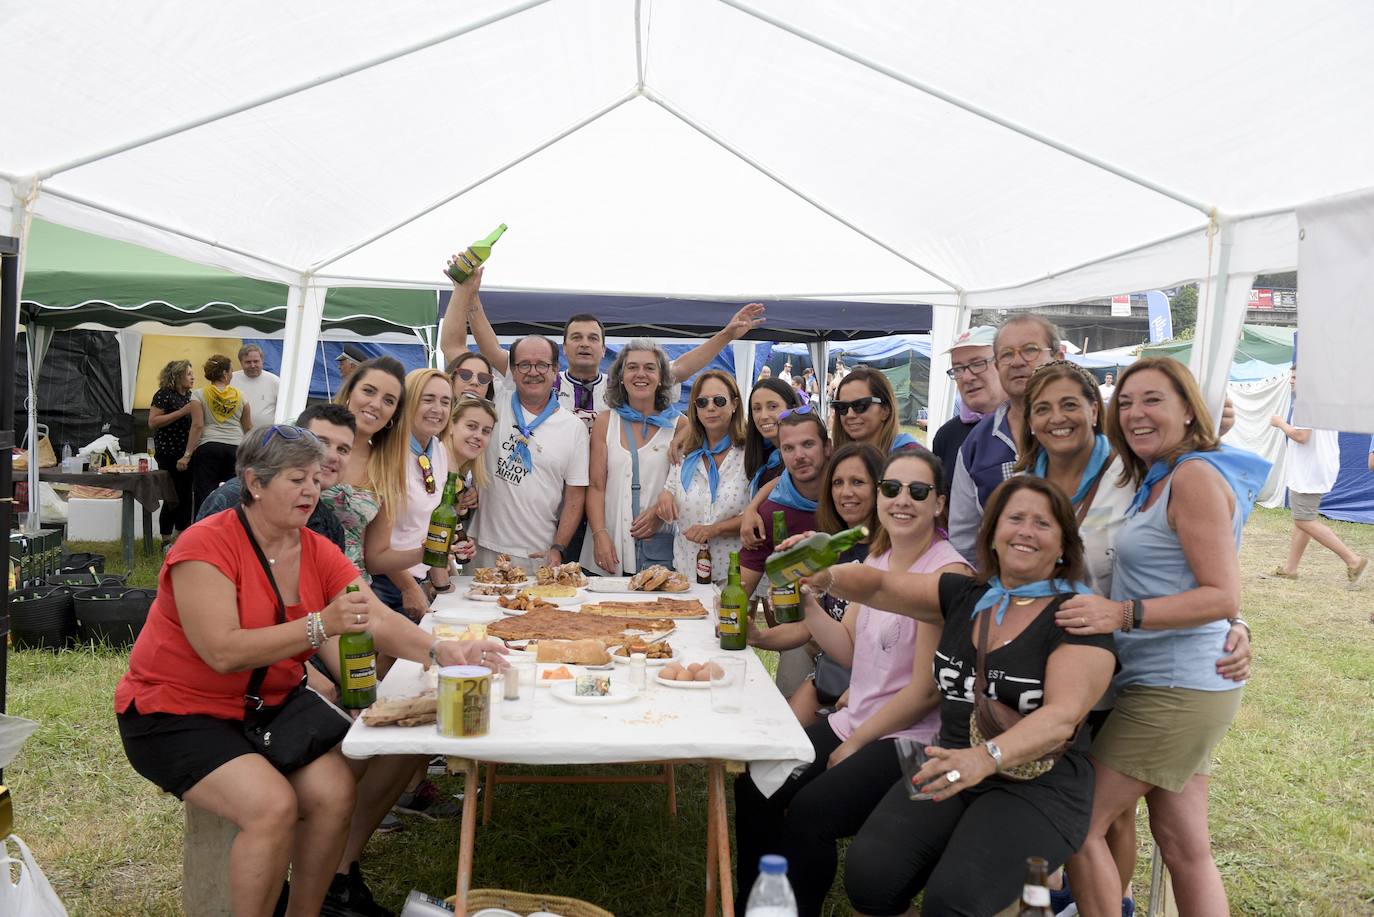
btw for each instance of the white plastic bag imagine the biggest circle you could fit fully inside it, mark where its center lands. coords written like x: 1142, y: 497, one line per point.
x: 30, y: 895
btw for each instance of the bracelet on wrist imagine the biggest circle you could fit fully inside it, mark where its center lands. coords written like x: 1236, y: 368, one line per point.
x: 1245, y: 624
x: 1127, y: 616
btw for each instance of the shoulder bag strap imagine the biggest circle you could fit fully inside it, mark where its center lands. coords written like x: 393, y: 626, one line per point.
x: 634, y: 486
x: 1086, y: 503
x: 251, y: 701
x: 980, y: 673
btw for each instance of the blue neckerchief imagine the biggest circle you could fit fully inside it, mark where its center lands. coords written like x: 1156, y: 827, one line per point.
x: 417, y: 450
x: 666, y: 419
x: 774, y: 460
x: 704, y: 454
x: 786, y: 494
x: 1102, y: 450
x: 1244, y: 472
x: 903, y: 440
x: 521, y: 451
x: 998, y: 596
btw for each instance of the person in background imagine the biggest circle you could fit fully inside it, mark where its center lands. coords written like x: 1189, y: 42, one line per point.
x: 707, y: 489
x: 1108, y: 386
x: 348, y: 360
x: 809, y: 383
x: 798, y: 384
x: 833, y: 384
x: 891, y: 696
x: 766, y: 372
x: 762, y: 460
x: 1314, y: 463
x: 219, y: 418
x: 629, y: 463
x: 335, y: 428
x: 1175, y: 584
x: 538, y: 469
x: 988, y: 454
x: 973, y: 370
x: 786, y: 374
x: 257, y: 385
x: 169, y: 417
x: 993, y: 801
x: 850, y: 498
x: 180, y: 706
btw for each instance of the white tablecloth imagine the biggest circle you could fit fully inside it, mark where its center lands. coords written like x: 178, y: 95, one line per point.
x: 662, y: 723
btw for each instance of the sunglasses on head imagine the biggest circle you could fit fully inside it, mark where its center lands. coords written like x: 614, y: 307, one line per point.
x: 470, y: 397
x: 799, y: 409
x: 467, y: 375
x: 858, y: 405
x: 719, y: 401
x: 919, y: 490
x: 287, y: 431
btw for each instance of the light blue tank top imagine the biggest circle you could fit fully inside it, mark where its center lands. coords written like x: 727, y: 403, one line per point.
x: 1149, y: 563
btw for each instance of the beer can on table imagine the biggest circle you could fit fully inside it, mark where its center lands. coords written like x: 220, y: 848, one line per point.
x: 143, y: 464
x: 464, y: 701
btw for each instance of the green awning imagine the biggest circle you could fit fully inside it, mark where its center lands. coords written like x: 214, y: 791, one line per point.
x: 73, y: 277
x: 1267, y: 343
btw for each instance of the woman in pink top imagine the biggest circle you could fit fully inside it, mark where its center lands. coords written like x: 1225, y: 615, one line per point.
x: 891, y: 694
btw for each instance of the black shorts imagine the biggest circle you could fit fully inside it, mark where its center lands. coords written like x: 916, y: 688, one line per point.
x: 176, y: 751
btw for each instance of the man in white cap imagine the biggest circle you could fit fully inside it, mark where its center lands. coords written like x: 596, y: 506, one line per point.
x: 980, y: 392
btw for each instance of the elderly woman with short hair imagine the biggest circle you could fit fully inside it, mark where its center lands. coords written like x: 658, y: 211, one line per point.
x: 182, y: 704
x: 629, y: 463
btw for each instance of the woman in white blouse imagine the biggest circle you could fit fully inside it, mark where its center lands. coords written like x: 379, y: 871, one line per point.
x: 708, y: 490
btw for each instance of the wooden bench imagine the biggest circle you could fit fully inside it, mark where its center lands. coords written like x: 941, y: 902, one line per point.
x: 205, y: 864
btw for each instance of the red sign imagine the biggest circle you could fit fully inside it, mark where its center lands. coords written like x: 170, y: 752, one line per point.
x: 1121, y: 306
x: 1261, y: 299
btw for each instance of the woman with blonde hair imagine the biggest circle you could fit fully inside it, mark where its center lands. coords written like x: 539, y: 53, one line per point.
x: 169, y: 417
x: 219, y: 418
x: 707, y: 490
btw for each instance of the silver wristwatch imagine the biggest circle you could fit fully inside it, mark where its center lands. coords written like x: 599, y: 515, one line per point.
x: 434, y: 653
x: 995, y: 753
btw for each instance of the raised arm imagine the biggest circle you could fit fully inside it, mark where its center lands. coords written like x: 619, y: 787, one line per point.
x: 693, y: 361
x: 476, y: 318
x: 916, y: 595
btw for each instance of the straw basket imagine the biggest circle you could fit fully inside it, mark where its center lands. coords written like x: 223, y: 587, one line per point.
x: 526, y: 903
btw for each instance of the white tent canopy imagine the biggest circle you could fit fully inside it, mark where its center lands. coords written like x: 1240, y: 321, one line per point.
x: 964, y: 155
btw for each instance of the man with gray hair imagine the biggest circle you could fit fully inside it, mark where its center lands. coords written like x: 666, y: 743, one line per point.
x: 259, y: 387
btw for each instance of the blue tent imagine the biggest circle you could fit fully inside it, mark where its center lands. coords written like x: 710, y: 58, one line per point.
x: 1352, y: 499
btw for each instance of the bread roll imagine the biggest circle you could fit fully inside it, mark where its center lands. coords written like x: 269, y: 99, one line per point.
x: 577, y: 652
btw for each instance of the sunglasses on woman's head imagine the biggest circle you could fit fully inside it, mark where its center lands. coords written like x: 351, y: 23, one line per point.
x: 919, y: 490
x: 468, y: 397
x: 858, y: 405
x: 719, y: 401
x: 800, y: 409
x: 467, y: 375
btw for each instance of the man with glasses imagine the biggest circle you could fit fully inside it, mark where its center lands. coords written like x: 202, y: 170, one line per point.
x: 537, y: 462
x: 987, y: 456
x: 980, y: 392
x: 333, y: 426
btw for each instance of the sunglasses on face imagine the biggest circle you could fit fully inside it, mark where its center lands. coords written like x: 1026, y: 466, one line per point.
x: 858, y: 405
x: 919, y: 490
x: 801, y: 409
x: 468, y: 375
x: 719, y: 401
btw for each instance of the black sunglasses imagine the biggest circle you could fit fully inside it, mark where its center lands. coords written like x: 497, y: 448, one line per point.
x: 719, y: 401
x: 858, y: 405
x: 467, y: 375
x: 919, y: 490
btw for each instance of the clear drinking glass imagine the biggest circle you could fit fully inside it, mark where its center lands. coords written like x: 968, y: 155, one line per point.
x: 913, y: 756
x: 517, y: 691
x: 727, y: 684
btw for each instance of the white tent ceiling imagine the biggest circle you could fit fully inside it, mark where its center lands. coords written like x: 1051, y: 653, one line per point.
x: 987, y: 154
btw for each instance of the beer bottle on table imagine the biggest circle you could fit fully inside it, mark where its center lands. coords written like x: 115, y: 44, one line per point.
x: 464, y: 264
x: 1035, y: 893
x: 734, y: 607
x: 443, y: 525
x: 786, y: 600
x: 357, y: 668
x: 811, y: 555
x: 704, y: 565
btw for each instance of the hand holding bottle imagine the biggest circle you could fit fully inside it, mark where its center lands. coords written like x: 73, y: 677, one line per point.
x: 347, y: 614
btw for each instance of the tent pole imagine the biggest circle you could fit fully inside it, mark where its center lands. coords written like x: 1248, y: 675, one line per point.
x: 639, y: 50
x: 744, y: 368
x: 1221, y: 313
x: 21, y: 220
x: 305, y: 310
x: 946, y: 324
x: 820, y: 362
x: 977, y: 111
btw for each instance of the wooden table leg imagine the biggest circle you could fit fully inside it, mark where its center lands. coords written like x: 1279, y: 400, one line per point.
x: 466, y: 837
x: 488, y: 794
x: 712, y: 864
x: 127, y: 524
x: 670, y: 778
x: 147, y: 532
x: 722, y: 830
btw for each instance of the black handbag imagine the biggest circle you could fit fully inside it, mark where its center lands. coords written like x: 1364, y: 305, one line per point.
x: 305, y: 725
x: 832, y: 679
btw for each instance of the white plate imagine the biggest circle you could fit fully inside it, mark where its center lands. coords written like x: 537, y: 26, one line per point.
x: 543, y: 682
x: 681, y: 684
x: 651, y: 663
x: 608, y: 584
x: 466, y: 615
x: 619, y: 695
x: 576, y: 598
x: 483, y: 597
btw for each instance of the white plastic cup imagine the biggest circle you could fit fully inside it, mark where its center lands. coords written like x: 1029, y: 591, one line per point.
x: 913, y: 757
x: 727, y: 683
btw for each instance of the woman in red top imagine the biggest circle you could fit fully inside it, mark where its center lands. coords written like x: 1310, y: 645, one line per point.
x: 181, y: 704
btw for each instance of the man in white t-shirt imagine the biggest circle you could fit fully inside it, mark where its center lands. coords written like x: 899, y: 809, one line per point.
x: 1108, y: 387
x: 1314, y: 462
x: 257, y: 385
x: 537, y: 461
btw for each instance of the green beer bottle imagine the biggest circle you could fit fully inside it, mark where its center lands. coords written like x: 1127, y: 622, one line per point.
x: 811, y: 555
x: 357, y: 668
x: 734, y: 609
x: 786, y: 599
x: 464, y: 264
x: 443, y: 525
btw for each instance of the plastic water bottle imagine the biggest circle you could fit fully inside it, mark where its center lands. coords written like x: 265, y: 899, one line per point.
x: 771, y: 895
x: 418, y: 904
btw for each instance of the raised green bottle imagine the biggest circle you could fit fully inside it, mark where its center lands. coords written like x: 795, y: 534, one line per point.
x: 786, y: 600
x: 357, y: 668
x: 443, y: 525
x: 462, y: 265
x: 811, y: 555
x: 734, y: 610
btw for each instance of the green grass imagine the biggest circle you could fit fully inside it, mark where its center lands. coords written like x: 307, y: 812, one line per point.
x: 1292, y: 798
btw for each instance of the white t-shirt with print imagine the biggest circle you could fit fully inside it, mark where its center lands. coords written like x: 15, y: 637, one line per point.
x: 519, y: 512
x: 260, y: 394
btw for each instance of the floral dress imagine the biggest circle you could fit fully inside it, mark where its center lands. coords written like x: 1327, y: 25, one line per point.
x: 355, y: 507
